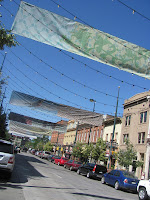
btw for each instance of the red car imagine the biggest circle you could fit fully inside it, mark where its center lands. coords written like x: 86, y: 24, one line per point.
x: 72, y: 165
x: 60, y: 160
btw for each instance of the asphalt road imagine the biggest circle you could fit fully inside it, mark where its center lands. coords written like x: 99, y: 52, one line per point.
x: 37, y: 179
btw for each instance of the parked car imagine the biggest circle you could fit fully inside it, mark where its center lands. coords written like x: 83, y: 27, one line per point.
x: 38, y: 153
x: 92, y: 170
x: 45, y: 154
x: 72, y: 165
x: 121, y: 179
x: 51, y: 158
x: 7, y: 157
x: 143, y: 189
x: 60, y: 160
x: 33, y: 151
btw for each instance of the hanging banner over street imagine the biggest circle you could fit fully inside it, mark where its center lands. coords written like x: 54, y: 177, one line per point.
x: 49, y: 126
x: 52, y: 29
x: 20, y: 128
x: 61, y: 110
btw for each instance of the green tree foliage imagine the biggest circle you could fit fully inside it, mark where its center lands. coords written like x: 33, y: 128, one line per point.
x: 6, y: 38
x: 77, y: 150
x: 48, y: 146
x: 3, y: 124
x: 87, y: 150
x: 99, y: 151
x: 126, y: 157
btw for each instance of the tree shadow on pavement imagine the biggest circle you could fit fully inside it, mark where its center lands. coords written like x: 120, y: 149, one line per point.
x: 96, y: 196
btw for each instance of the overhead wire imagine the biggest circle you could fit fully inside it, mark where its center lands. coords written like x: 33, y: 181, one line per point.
x: 56, y: 84
x: 98, y: 71
x: 133, y: 10
x: 41, y: 87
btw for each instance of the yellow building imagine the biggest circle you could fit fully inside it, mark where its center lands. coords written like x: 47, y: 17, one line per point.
x: 69, y: 136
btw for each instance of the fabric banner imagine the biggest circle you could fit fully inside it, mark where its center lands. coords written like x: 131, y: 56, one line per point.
x: 38, y: 123
x: 55, y: 30
x: 61, y: 110
x: 20, y: 128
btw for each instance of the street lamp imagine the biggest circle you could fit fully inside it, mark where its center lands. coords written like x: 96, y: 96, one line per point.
x: 92, y: 100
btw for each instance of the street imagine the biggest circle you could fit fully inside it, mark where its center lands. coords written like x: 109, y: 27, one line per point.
x: 37, y: 179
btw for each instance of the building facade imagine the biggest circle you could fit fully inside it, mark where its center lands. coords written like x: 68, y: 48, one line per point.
x: 135, y: 126
x: 108, y: 127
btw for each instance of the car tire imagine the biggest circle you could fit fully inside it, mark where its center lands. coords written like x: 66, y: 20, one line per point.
x: 142, y: 194
x: 58, y: 163
x: 70, y: 168
x: 103, y: 180
x: 88, y: 175
x: 117, y: 185
x: 78, y: 172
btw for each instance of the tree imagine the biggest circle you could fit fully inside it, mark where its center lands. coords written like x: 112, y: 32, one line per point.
x: 48, y: 146
x: 126, y: 157
x: 99, y: 151
x: 87, y: 149
x: 3, y: 124
x: 77, y: 150
x: 6, y: 38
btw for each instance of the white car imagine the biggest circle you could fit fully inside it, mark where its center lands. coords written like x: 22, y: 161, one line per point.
x: 7, y: 157
x: 143, y: 189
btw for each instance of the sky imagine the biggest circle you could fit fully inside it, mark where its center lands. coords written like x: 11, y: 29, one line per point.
x: 25, y: 71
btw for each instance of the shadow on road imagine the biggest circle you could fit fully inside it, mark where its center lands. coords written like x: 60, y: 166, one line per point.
x: 23, y: 170
x: 96, y: 196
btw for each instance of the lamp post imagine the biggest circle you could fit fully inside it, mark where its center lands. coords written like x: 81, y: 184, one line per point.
x: 110, y: 150
x: 91, y: 100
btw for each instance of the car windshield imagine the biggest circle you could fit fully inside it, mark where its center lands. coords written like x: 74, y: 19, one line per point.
x: 128, y: 174
x: 6, y: 148
x: 76, y: 162
x: 64, y: 158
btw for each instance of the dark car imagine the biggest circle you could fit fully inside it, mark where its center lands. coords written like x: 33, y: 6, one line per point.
x: 72, y: 165
x: 92, y: 170
x: 121, y: 179
x: 52, y: 157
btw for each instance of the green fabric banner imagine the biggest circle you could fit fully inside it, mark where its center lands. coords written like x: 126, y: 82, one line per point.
x: 52, y: 29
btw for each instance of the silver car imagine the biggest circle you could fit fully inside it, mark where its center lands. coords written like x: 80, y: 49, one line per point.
x: 7, y: 157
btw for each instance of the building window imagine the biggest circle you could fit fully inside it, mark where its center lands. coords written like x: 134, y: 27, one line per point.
x: 143, y: 117
x: 97, y: 135
x: 141, y: 138
x: 94, y: 135
x: 125, y: 137
x: 128, y: 120
x: 106, y: 137
x: 84, y: 136
x: 87, y: 137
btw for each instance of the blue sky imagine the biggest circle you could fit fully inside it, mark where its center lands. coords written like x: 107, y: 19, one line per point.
x: 106, y: 15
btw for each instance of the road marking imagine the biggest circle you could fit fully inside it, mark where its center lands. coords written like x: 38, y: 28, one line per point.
x: 57, y: 175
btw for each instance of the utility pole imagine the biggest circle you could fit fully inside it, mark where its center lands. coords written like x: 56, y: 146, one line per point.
x: 110, y: 150
x: 147, y: 162
x: 91, y: 100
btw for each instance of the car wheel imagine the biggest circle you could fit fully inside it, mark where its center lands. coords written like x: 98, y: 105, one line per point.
x: 58, y: 163
x: 64, y: 166
x: 88, y: 175
x: 70, y: 168
x: 117, y: 185
x: 78, y: 172
x: 103, y: 180
x: 142, y: 194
